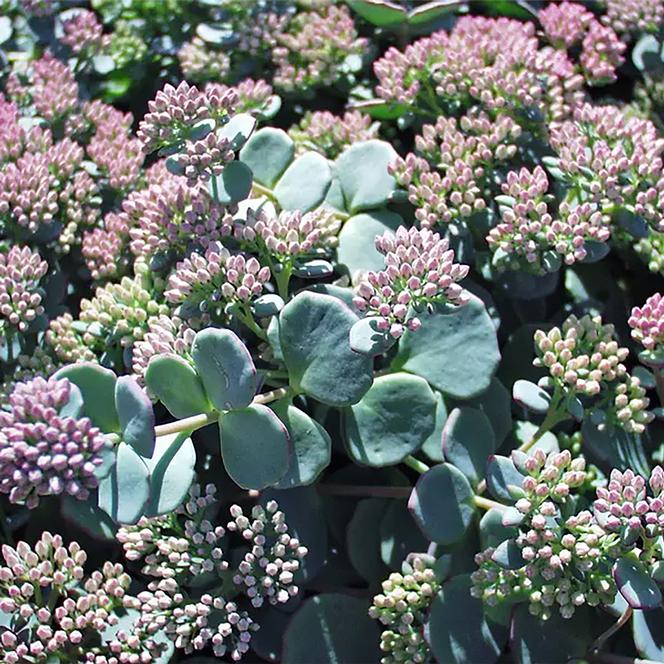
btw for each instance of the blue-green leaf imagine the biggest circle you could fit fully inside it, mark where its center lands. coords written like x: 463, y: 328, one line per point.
x: 135, y: 414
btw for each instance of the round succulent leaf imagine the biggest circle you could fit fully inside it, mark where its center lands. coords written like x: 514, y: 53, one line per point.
x: 458, y: 631
x: 177, y: 385
x: 267, y: 305
x: 268, y: 153
x: 310, y: 168
x: 648, y: 632
x: 391, y: 421
x: 442, y: 504
x: 456, y: 352
x: 6, y: 29
x: 171, y: 472
x: 531, y: 396
x: 496, y: 403
x: 433, y: 445
x: 534, y: 641
x: 379, y: 12
x: 357, y: 240
x: 647, y: 54
x: 255, y: 446
x: 303, y: 508
x: 468, y: 440
x: 267, y: 642
x: 225, y: 367
x: 503, y: 478
x: 432, y: 11
x: 398, y: 537
x: 212, y: 33
x: 238, y: 130
x: 233, y: 184
x: 97, y: 386
x: 508, y: 555
x: 312, y: 447
x: 635, y: 585
x: 363, y: 539
x: 492, y: 530
x: 85, y: 514
x: 136, y: 415
x: 332, y: 628
x: 313, y: 269
x: 124, y: 491
x: 524, y: 432
x: 314, y: 336
x: 367, y: 339
x: 363, y: 175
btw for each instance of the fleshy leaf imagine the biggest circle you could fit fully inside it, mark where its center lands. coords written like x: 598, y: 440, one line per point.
x: 233, y: 185
x: 255, y: 447
x: 314, y: 331
x: 635, y: 585
x: 503, y: 478
x: 125, y: 490
x: 291, y: 192
x: 136, y: 415
x: 531, y: 396
x: 391, y: 421
x: 442, y: 485
x: 379, y: 12
x: 97, y: 385
x: 268, y: 153
x: 177, y: 385
x: 225, y: 367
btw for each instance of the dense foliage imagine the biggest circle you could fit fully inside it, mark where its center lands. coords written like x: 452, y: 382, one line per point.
x: 331, y: 331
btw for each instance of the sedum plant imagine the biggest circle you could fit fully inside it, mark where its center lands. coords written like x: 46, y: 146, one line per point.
x: 331, y: 331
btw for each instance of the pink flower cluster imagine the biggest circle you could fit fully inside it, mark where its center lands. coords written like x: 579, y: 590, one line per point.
x: 624, y: 502
x: 446, y: 182
x: 647, y: 323
x: 21, y: 271
x: 83, y: 33
x: 419, y: 271
x: 565, y: 23
x: 289, y: 235
x: 252, y: 95
x: 174, y: 112
x: 201, y: 63
x: 331, y: 134
x: 528, y: 228
x: 633, y: 16
x: 215, y: 278
x: 494, y: 62
x: 312, y: 51
x: 614, y: 158
x: 43, y: 453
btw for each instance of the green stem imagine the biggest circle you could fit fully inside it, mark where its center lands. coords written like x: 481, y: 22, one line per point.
x: 282, y: 278
x: 247, y: 318
x: 487, y: 503
x: 416, y: 464
x: 259, y: 188
x: 203, y: 419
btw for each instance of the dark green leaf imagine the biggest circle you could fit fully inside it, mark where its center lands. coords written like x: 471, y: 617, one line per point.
x: 635, y: 584
x: 233, y: 185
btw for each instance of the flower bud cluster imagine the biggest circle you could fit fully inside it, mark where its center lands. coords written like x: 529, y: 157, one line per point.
x: 201, y: 63
x: 582, y: 356
x: 169, y: 217
x: 193, y: 625
x: 312, y: 52
x: 419, y: 271
x: 215, y: 279
x: 529, y: 231
x: 42, y: 452
x: 624, y: 506
x: 289, y: 235
x: 633, y: 16
x: 464, y: 152
x: 613, y: 158
x: 601, y: 54
x: 650, y: 250
x: 267, y: 570
x: 402, y: 607
x: 180, y: 545
x: 496, y: 63
x: 252, y: 95
x: 55, y: 611
x: 83, y: 33
x: 565, y: 23
x: 331, y: 134
x: 119, y: 313
x: 647, y: 323
x: 21, y: 271
x: 40, y: 363
x: 175, y: 112
x: 69, y: 341
x: 630, y: 404
x: 165, y: 334
x: 104, y: 249
x: 562, y: 558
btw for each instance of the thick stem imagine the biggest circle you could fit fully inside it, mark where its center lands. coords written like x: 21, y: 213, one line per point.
x: 283, y: 278
x: 416, y: 464
x: 260, y: 189
x: 247, y: 318
x: 487, y: 503
x: 203, y: 419
x: 602, y: 638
